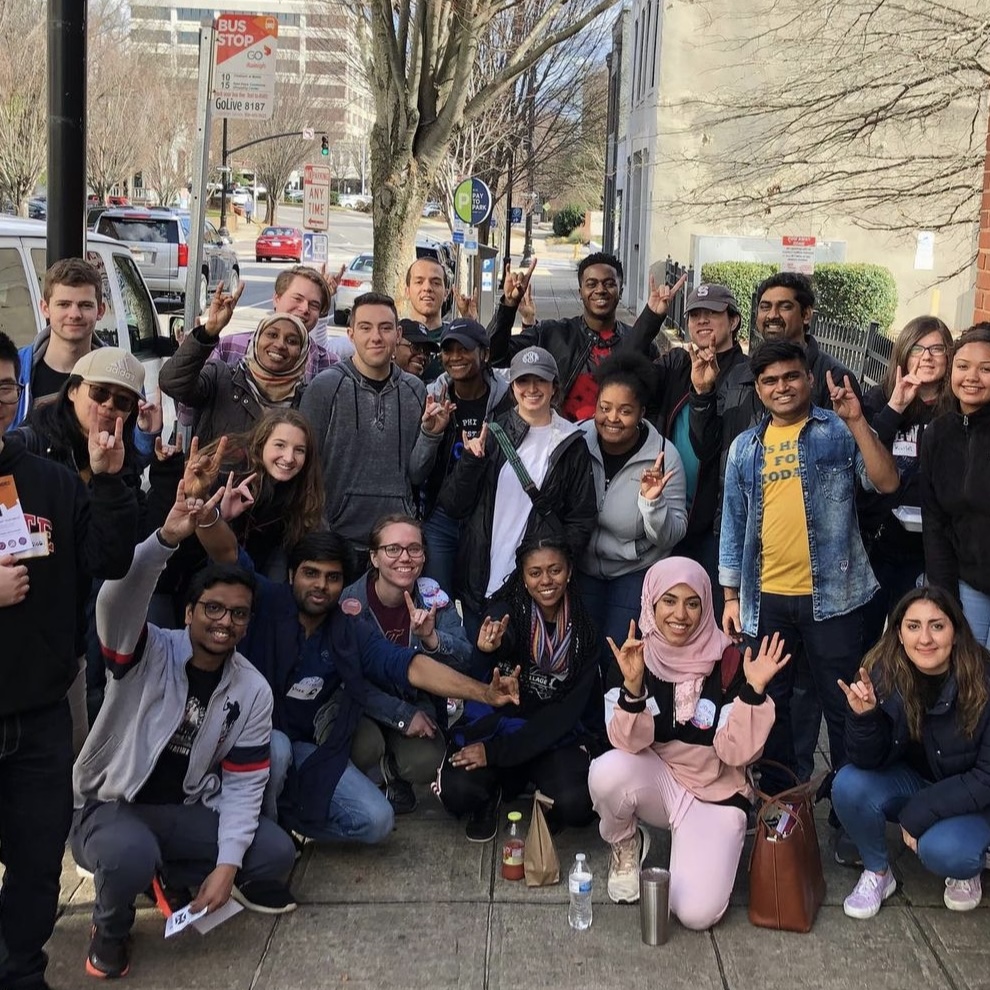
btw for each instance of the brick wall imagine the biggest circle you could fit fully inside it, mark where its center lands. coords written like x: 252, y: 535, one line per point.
x: 982, y: 311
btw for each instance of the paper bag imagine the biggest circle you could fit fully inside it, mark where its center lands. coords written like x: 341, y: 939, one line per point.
x: 540, y: 855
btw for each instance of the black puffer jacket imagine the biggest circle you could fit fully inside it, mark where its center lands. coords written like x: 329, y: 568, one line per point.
x: 954, y: 481
x: 567, y: 505
x: 961, y: 766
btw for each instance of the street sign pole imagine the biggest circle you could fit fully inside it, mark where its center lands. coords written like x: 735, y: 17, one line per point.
x: 223, y: 180
x: 201, y: 160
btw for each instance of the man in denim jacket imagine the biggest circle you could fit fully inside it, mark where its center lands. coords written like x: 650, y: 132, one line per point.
x: 791, y: 559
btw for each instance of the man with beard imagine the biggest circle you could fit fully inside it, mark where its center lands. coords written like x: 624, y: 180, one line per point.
x: 322, y: 662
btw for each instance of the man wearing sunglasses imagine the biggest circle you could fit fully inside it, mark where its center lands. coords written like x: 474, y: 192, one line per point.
x: 169, y: 786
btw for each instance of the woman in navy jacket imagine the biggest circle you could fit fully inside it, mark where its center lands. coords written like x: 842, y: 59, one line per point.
x: 918, y: 746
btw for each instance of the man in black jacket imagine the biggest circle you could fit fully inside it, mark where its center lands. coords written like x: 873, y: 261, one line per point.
x: 579, y: 344
x: 56, y: 540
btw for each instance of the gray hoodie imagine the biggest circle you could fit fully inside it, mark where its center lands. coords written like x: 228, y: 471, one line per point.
x: 366, y: 440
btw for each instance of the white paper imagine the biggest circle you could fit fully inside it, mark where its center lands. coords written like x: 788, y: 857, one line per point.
x: 218, y: 917
x: 178, y: 920
x: 924, y: 255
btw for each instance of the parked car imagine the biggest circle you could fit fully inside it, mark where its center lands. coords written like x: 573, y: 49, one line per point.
x: 93, y: 214
x: 38, y: 208
x: 293, y: 195
x: 432, y: 210
x: 159, y: 240
x: 279, y: 242
x: 353, y: 201
x: 355, y: 281
x: 129, y: 320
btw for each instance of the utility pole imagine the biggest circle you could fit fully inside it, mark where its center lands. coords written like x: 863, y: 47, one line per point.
x: 224, y: 173
x: 66, y: 130
x: 530, y: 167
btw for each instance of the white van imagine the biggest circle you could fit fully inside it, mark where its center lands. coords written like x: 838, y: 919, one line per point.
x: 130, y: 320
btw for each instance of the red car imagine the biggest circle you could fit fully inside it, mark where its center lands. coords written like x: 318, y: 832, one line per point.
x: 279, y: 242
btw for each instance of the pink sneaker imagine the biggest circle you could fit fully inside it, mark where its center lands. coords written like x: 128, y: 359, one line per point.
x: 869, y: 894
x: 963, y: 895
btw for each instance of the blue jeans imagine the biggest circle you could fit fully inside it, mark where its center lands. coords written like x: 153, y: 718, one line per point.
x: 896, y: 579
x: 611, y: 604
x: 976, y: 608
x: 865, y: 800
x: 440, y: 533
x: 357, y: 811
x: 834, y: 649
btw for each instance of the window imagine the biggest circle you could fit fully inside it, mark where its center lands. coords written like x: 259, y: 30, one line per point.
x: 139, y: 312
x: 145, y: 230
x: 18, y: 316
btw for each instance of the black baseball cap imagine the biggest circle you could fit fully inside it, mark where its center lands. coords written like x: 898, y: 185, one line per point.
x: 711, y: 296
x: 468, y: 333
x: 416, y: 333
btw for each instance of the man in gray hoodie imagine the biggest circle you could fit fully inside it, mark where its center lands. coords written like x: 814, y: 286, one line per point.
x: 369, y: 417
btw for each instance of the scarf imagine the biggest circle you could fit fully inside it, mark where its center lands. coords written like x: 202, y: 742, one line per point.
x: 685, y: 666
x: 550, y: 647
x: 272, y: 388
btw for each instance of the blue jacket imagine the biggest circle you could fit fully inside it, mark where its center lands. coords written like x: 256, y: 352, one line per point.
x: 830, y: 463
x: 454, y: 650
x: 961, y: 766
x: 358, y: 651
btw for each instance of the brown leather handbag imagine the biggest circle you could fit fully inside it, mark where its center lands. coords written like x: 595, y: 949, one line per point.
x: 786, y: 883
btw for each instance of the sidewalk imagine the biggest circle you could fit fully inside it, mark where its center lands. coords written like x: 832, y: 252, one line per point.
x: 429, y: 911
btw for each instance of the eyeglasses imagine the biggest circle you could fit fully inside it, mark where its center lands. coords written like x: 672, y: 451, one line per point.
x: 216, y: 611
x: 393, y: 551
x: 10, y: 393
x: 414, y: 348
x: 593, y: 283
x: 936, y: 350
x: 122, y: 401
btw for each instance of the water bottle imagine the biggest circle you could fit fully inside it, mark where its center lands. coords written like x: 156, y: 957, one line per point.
x: 579, y: 882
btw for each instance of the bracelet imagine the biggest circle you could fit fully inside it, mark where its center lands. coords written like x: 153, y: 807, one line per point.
x: 732, y: 599
x: 210, y: 525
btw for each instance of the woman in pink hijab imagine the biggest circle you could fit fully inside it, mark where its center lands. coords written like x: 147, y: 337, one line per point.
x: 692, y: 715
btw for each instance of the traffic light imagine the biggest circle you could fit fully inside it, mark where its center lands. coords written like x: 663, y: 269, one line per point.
x: 324, y: 145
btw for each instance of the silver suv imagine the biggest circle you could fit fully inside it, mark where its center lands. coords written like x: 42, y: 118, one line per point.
x: 158, y: 239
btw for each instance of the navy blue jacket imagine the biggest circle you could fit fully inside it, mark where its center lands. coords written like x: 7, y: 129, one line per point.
x: 961, y: 765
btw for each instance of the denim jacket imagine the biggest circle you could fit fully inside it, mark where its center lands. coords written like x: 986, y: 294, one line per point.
x: 830, y: 462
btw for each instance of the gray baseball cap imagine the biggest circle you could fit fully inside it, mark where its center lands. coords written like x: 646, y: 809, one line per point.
x: 717, y: 298
x: 534, y: 361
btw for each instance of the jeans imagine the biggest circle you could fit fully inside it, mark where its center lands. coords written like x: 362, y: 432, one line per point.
x: 440, y: 534
x: 896, y: 579
x: 357, y: 811
x: 834, y: 650
x: 865, y: 800
x: 703, y: 548
x: 35, y: 814
x: 806, y: 716
x: 610, y: 605
x: 124, y: 844
x: 976, y: 608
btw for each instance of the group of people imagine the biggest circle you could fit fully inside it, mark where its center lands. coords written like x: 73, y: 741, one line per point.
x: 641, y: 568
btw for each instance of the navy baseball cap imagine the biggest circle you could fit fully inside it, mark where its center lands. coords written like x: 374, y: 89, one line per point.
x: 416, y: 333
x: 468, y: 333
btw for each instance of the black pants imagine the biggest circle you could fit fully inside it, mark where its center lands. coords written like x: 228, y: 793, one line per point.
x: 561, y: 774
x: 35, y: 813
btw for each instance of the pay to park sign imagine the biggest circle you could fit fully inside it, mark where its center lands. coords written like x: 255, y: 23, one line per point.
x: 244, y: 66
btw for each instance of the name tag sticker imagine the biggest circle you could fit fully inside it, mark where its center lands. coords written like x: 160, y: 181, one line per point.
x: 306, y: 689
x: 904, y: 448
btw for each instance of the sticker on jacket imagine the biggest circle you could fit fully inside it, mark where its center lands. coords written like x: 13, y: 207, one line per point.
x: 704, y: 714
x: 306, y: 689
x: 431, y: 593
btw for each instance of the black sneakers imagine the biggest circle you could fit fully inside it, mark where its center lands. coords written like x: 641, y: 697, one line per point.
x: 264, y: 896
x: 108, y: 958
x: 482, y: 826
x: 398, y: 792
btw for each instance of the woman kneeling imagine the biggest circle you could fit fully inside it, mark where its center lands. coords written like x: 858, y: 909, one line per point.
x: 692, y: 714
x: 918, y: 745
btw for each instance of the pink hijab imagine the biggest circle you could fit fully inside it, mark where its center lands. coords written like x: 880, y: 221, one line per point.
x: 685, y: 666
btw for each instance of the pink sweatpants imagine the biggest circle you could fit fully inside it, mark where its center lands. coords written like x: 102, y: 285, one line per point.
x: 706, y: 839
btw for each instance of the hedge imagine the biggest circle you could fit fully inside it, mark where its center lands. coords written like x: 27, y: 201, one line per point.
x: 855, y: 293
x: 566, y: 219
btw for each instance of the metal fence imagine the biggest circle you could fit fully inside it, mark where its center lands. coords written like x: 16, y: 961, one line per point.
x: 676, y: 322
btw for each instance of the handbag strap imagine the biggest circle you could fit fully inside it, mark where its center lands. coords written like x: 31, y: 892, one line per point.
x: 515, y: 461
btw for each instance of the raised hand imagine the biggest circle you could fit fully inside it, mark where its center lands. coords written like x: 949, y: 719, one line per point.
x: 467, y: 306
x: 14, y: 581
x: 149, y: 418
x: 202, y: 470
x: 163, y: 451
x: 491, y: 632
x: 221, y: 309
x: 106, y: 450
x: 631, y: 661
x: 759, y: 672
x: 861, y: 695
x: 332, y: 281
x: 437, y: 412
x: 422, y: 622
x: 516, y: 284
x: 704, y: 368
x: 186, y: 514
x: 475, y: 446
x: 236, y: 500
x: 527, y: 307
x: 653, y: 481
x: 660, y: 295
x: 503, y: 689
x: 905, y: 390
x: 845, y: 404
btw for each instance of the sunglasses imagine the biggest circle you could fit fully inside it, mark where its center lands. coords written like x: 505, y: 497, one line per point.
x: 124, y: 402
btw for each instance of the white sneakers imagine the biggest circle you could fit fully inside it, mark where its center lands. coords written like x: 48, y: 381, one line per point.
x: 869, y: 894
x: 963, y: 895
x: 624, y: 865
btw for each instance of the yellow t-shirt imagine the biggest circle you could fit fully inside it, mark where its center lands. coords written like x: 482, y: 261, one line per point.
x: 786, y: 565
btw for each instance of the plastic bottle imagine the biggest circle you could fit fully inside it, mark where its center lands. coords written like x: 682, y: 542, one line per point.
x: 513, y: 866
x: 579, y: 882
